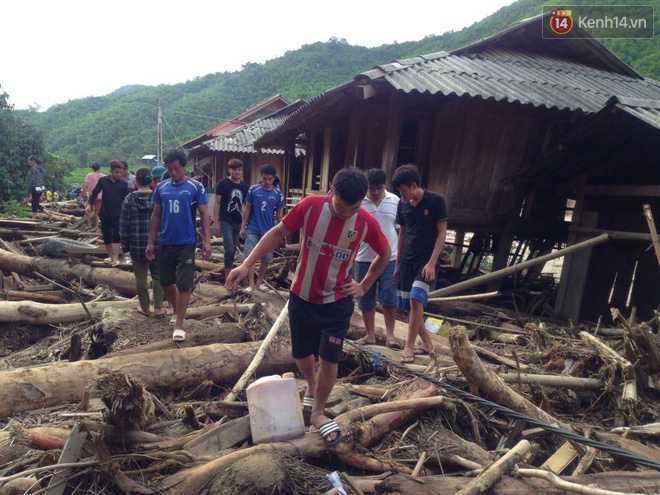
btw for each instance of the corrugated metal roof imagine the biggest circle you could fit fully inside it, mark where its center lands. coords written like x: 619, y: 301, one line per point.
x: 645, y: 110
x: 514, y: 77
x: 242, y: 140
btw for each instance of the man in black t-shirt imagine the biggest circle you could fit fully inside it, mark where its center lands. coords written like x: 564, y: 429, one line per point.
x: 422, y: 216
x: 228, y: 210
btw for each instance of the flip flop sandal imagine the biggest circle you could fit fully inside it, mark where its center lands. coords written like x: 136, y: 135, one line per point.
x: 418, y: 351
x: 407, y: 359
x: 173, y: 319
x: 326, y: 429
x: 142, y: 311
x: 395, y: 344
x: 179, y: 335
x: 364, y: 341
x: 160, y: 315
x: 264, y: 288
x: 307, y: 404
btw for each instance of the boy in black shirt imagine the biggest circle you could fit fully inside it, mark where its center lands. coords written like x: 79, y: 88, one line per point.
x: 422, y: 216
x: 230, y: 196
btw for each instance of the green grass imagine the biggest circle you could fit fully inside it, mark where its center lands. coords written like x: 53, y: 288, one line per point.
x: 79, y: 174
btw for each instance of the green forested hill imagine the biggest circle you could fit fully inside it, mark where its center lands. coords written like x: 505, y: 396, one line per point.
x: 123, y: 123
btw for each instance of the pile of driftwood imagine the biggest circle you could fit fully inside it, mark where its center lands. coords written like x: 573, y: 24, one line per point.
x: 96, y: 398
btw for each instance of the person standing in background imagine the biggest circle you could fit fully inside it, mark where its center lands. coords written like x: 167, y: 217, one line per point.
x: 114, y: 191
x: 261, y: 201
x: 382, y: 205
x: 134, y: 231
x: 91, y: 179
x: 36, y: 187
x: 228, y: 210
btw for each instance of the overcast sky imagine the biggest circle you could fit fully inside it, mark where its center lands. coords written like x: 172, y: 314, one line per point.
x: 53, y: 52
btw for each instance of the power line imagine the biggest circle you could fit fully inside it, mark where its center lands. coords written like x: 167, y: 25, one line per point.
x: 221, y: 119
x: 624, y: 454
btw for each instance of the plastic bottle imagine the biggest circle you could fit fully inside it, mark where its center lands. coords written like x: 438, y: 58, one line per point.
x: 275, y: 409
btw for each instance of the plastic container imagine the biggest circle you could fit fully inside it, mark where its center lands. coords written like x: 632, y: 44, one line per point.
x: 275, y: 409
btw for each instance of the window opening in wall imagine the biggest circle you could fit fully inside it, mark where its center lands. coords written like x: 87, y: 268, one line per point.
x: 408, y: 142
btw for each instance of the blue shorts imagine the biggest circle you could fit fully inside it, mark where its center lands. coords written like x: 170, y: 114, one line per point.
x: 251, y: 240
x: 412, y: 285
x: 385, y: 283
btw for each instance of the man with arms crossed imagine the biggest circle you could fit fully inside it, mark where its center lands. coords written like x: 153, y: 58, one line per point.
x: 422, y: 216
x: 321, y: 304
x: 261, y: 201
x: 382, y: 205
x: 173, y: 199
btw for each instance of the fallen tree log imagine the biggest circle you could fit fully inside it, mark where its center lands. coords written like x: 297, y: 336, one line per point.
x: 489, y: 383
x: 59, y: 269
x: 572, y: 382
x: 622, y: 481
x: 52, y: 384
x: 15, y: 295
x: 46, y: 314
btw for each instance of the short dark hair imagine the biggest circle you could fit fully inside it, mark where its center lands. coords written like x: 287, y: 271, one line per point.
x: 143, y: 176
x: 406, y: 175
x: 125, y: 164
x: 176, y: 155
x: 376, y: 176
x: 96, y: 167
x: 350, y: 184
x: 268, y: 170
x: 34, y: 159
x: 114, y: 163
x: 235, y: 163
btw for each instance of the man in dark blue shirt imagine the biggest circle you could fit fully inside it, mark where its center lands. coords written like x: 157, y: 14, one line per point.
x: 173, y: 200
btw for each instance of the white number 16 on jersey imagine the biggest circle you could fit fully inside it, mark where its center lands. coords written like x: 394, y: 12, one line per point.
x: 174, y: 206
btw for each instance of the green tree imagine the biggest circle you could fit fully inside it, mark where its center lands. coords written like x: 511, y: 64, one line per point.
x: 56, y: 169
x: 18, y: 140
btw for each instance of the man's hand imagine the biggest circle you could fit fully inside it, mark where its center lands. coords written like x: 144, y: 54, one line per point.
x: 241, y: 233
x: 216, y: 229
x: 206, y: 249
x: 396, y: 272
x: 353, y: 289
x: 88, y: 208
x: 428, y: 272
x: 236, y: 275
x: 149, y: 252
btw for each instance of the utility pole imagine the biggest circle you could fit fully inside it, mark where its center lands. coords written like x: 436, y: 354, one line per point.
x: 159, y: 145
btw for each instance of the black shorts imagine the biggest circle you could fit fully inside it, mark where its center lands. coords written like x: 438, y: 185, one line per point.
x: 412, y: 285
x: 177, y: 265
x: 319, y: 329
x: 110, y: 230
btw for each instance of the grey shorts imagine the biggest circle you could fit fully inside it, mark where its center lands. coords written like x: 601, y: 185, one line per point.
x: 251, y: 240
x: 177, y: 265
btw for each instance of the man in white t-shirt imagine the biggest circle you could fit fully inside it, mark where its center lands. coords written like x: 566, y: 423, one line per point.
x: 382, y: 205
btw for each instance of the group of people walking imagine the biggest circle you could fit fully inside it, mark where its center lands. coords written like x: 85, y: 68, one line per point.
x: 357, y: 241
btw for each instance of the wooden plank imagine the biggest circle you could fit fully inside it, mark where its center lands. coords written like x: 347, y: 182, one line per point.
x: 220, y: 437
x: 69, y: 454
x: 654, y: 234
x: 325, y: 159
x: 561, y: 459
x: 628, y: 190
x: 393, y: 134
x: 614, y: 234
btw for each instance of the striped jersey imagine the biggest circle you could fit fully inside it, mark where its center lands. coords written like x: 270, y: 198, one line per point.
x: 328, y: 246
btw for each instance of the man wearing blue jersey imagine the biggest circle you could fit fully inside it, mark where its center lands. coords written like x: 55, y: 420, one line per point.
x: 261, y: 201
x: 173, y: 200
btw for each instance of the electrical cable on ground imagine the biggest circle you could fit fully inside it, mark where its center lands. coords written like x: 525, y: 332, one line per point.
x: 610, y: 449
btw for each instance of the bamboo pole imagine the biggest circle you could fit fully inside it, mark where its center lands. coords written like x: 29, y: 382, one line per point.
x: 258, y: 357
x: 654, y: 234
x: 504, y: 272
x: 495, y: 471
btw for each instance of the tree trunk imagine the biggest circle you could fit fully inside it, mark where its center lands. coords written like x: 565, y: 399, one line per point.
x: 123, y: 282
x: 49, y: 385
x: 489, y: 383
x: 46, y: 314
x: 625, y: 482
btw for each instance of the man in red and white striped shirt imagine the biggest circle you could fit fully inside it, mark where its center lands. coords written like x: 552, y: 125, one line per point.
x: 321, y: 304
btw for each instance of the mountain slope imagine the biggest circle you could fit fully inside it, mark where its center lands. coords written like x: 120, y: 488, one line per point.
x: 123, y: 123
